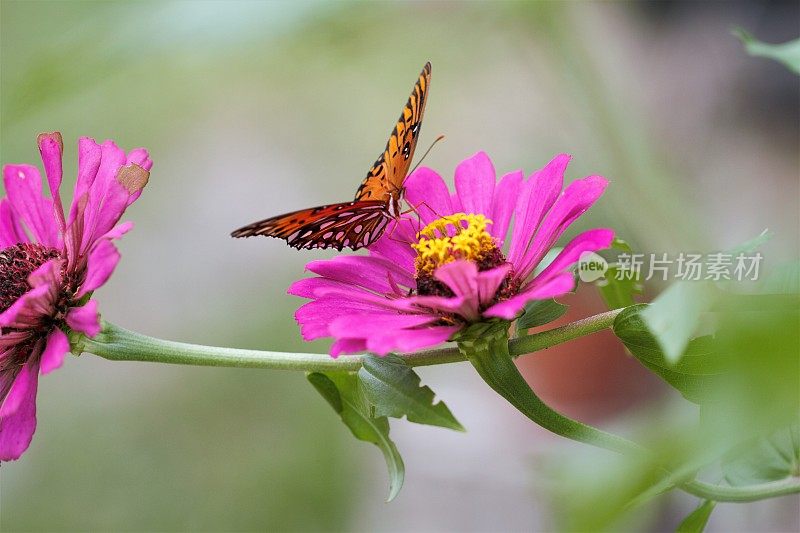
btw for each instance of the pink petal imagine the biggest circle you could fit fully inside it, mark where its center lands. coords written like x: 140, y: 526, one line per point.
x: 475, y: 180
x: 351, y: 293
x: 408, y: 340
x: 24, y: 189
x: 89, y: 155
x: 11, y: 231
x: 576, y: 199
x: 455, y: 201
x: 367, y: 325
x: 112, y: 157
x: 338, y: 298
x: 133, y: 197
x: 48, y: 273
x: 370, y: 272
x: 506, y: 195
x: 103, y: 212
x: 314, y: 287
x: 85, y: 318
x: 341, y: 346
x: 462, y: 278
x: 53, y: 355
x: 511, y: 308
x: 588, y: 241
x: 9, y: 341
x: 489, y: 281
x: 141, y: 157
x: 427, y: 303
x: 394, y: 244
x: 315, y: 317
x: 39, y: 302
x: 405, y: 304
x: 118, y: 231
x: 109, y: 193
x: 537, y: 197
x: 51, y: 148
x: 107, y: 198
x: 18, y: 413
x: 427, y: 193
x: 101, y: 263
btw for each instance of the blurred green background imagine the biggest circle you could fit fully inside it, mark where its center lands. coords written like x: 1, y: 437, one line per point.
x: 253, y: 108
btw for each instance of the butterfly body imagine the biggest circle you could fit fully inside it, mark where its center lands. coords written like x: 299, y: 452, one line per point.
x: 361, y: 222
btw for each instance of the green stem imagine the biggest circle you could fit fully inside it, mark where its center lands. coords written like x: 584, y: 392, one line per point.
x: 119, y: 344
x: 486, y: 347
x: 750, y: 493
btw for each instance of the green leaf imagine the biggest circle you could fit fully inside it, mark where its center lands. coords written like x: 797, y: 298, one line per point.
x: 621, y: 244
x: 784, y: 279
x: 674, y: 315
x: 594, y: 491
x: 616, y: 288
x: 694, y: 375
x: 697, y: 519
x: 343, y: 393
x: 540, y: 312
x: 760, y: 341
x: 767, y: 459
x: 753, y: 244
x: 393, y: 389
x: 787, y: 53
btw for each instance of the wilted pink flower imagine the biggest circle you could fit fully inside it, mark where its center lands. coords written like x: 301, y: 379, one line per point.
x: 50, y: 264
x: 418, y: 288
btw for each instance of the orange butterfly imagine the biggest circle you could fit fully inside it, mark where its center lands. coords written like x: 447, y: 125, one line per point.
x: 361, y: 222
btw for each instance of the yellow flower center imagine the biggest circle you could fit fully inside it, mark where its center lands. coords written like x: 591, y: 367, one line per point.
x: 457, y: 236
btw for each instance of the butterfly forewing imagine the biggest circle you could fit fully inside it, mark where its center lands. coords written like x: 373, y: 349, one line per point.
x: 352, y: 224
x: 384, y: 180
x: 359, y: 223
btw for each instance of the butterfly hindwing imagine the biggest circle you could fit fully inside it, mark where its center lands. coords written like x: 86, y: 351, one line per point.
x: 352, y: 224
x: 384, y: 180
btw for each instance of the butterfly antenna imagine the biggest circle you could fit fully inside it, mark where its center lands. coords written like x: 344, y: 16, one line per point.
x: 441, y: 137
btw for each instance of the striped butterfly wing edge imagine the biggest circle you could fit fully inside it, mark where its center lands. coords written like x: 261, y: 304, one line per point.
x: 350, y: 224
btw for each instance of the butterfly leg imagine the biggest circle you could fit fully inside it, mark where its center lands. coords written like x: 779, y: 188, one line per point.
x: 415, y: 209
x: 391, y: 232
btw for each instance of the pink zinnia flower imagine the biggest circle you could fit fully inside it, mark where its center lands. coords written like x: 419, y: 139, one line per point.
x: 49, y: 266
x: 419, y: 288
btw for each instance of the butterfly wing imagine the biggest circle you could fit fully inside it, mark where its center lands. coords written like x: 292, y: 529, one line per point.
x: 384, y: 180
x: 352, y: 224
x: 359, y: 223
